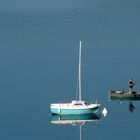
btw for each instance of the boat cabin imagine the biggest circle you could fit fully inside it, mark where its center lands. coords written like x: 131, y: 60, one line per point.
x: 74, y: 102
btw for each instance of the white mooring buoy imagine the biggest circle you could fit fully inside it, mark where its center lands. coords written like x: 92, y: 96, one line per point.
x: 104, y: 112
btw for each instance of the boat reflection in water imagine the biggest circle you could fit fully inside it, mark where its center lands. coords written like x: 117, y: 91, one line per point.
x: 75, y: 119
x: 131, y: 107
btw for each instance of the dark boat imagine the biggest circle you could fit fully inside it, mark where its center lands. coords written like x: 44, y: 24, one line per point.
x: 122, y: 95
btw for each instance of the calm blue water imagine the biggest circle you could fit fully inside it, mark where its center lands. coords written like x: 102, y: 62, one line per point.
x: 38, y: 66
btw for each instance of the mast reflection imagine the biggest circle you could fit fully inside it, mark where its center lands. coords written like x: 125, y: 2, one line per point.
x: 76, y: 120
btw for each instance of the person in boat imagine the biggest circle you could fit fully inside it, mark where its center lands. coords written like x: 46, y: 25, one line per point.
x: 130, y: 85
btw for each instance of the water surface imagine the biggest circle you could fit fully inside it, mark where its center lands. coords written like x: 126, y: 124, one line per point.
x: 38, y: 66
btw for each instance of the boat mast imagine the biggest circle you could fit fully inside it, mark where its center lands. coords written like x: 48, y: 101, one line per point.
x: 80, y: 127
x: 79, y: 71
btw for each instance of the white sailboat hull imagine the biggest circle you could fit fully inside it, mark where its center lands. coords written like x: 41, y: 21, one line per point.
x: 70, y: 109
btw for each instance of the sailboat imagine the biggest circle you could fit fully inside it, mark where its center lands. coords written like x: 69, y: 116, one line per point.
x: 75, y: 107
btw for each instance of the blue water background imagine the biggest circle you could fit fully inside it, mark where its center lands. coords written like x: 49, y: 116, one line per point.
x: 38, y: 66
